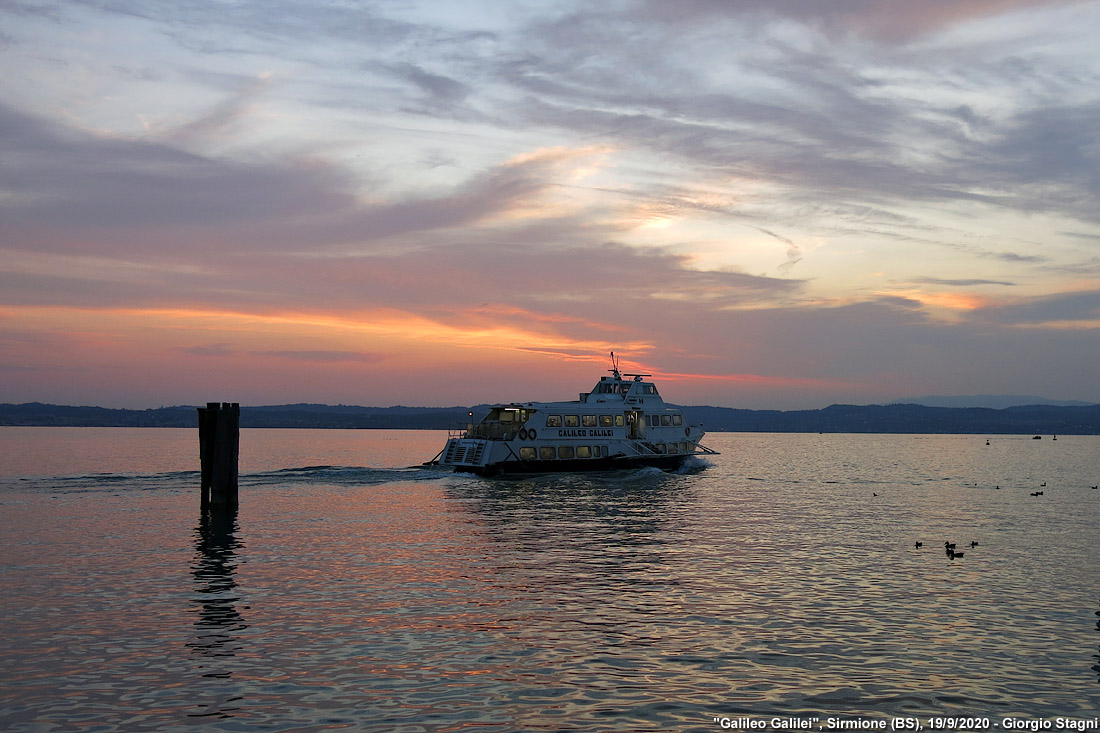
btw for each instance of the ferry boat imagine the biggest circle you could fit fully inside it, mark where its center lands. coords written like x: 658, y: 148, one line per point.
x: 621, y: 423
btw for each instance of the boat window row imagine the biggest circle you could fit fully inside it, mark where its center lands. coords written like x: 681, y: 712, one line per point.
x: 624, y: 387
x: 585, y: 421
x: 549, y: 452
x: 567, y: 452
x: 607, y: 421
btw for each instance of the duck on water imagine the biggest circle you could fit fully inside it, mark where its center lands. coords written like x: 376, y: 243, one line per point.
x: 622, y: 422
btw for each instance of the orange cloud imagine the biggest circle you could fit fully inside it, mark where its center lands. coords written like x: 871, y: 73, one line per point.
x: 946, y: 301
x: 485, y: 329
x: 755, y: 379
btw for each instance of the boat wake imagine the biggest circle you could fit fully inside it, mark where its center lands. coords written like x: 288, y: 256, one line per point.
x: 180, y: 481
x: 341, y: 476
x: 692, y: 465
x: 323, y: 475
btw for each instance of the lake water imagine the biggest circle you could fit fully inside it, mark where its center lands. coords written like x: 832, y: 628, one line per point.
x: 354, y: 589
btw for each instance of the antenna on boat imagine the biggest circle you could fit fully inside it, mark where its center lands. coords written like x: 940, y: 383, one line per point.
x: 615, y: 366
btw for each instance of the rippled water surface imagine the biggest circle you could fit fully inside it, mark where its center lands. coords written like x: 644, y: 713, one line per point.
x: 355, y: 589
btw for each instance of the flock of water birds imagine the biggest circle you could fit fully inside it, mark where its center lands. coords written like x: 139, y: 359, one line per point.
x: 948, y: 548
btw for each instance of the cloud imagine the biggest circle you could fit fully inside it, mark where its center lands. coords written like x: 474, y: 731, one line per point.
x: 961, y: 282
x: 847, y: 134
x: 68, y: 181
x: 71, y: 187
x: 439, y: 90
x: 242, y: 28
x: 321, y: 356
x: 870, y: 350
x: 1050, y: 157
x: 883, y: 20
x: 211, y: 125
x: 220, y: 349
x: 1082, y: 308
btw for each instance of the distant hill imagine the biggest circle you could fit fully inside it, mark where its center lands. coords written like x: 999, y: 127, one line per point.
x: 894, y: 418
x: 274, y: 416
x: 1035, y: 419
x: 993, y: 401
x: 345, y: 416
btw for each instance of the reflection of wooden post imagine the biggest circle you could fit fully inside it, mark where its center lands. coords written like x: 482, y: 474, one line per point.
x: 219, y: 444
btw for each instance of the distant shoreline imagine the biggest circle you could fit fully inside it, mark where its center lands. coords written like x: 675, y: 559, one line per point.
x: 897, y: 418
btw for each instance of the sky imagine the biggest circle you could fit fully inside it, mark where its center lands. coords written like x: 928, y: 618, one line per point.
x: 778, y: 204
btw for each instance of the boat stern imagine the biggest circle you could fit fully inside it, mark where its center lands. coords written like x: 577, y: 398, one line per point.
x: 465, y: 454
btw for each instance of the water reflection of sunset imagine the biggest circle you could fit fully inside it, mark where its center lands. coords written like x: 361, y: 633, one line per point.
x: 784, y: 574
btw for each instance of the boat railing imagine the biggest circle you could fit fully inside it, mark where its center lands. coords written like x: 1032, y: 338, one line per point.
x: 642, y: 448
x: 486, y: 431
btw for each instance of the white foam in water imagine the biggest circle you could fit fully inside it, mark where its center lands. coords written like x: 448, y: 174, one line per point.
x: 694, y: 464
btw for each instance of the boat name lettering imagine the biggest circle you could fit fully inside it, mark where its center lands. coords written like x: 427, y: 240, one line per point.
x: 585, y: 433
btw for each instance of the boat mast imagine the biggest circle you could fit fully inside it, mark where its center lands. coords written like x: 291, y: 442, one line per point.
x: 615, y: 367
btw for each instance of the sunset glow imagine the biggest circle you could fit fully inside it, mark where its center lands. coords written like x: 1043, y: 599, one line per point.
x: 377, y: 203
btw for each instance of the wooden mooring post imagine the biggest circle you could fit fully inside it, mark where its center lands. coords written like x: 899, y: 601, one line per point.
x: 219, y: 445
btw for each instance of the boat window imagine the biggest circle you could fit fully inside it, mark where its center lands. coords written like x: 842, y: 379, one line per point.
x: 565, y: 451
x: 584, y: 451
x: 666, y: 420
x: 661, y: 448
x: 684, y: 446
x: 605, y: 421
x: 589, y: 421
x: 572, y: 421
x: 507, y: 416
x: 654, y: 421
x: 546, y: 452
x: 599, y: 450
x: 620, y: 421
x: 677, y: 420
x: 527, y: 453
x: 553, y: 421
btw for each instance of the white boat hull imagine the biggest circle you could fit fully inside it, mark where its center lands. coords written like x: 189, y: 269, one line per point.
x: 492, y: 458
